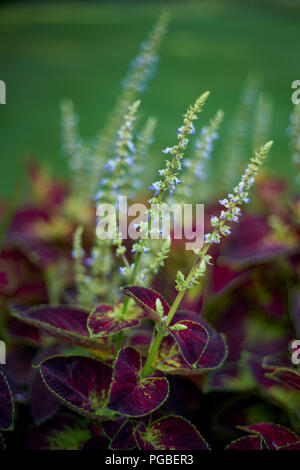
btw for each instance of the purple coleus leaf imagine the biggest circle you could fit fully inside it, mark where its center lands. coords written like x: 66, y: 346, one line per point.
x: 253, y: 241
x: 214, y: 354
x: 192, y: 339
x: 124, y: 439
x: 66, y: 323
x: 246, y: 443
x: 172, y: 362
x: 23, y: 332
x: 286, y: 376
x: 171, y: 433
x: 106, y: 320
x: 44, y: 404
x: 273, y: 435
x: 79, y: 382
x: 146, y: 299
x: 131, y: 394
x: 293, y: 446
x: 6, y: 404
x: 112, y: 427
x: 224, y: 279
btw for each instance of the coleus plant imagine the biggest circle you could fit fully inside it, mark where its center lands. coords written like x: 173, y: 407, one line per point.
x: 113, y: 379
x: 111, y: 347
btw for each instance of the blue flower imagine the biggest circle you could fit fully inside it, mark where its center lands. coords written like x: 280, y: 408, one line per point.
x: 155, y: 187
x: 131, y: 146
x: 223, y: 202
x: 129, y: 161
x: 192, y: 129
x: 111, y: 165
x: 226, y: 231
x: 98, y: 195
x: 214, y: 221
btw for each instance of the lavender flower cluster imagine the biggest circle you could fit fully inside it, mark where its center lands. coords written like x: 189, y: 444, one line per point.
x: 238, y: 198
x: 117, y: 166
x: 169, y: 175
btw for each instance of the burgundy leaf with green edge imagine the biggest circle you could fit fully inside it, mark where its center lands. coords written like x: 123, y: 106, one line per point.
x: 79, y: 382
x: 192, y: 339
x: 146, y: 299
x: 44, y: 404
x: 246, y: 443
x: 293, y: 446
x: 63, y: 322
x: 124, y: 439
x: 142, y: 443
x: 214, y: 354
x: 6, y: 404
x: 112, y: 427
x: 287, y: 377
x: 132, y: 395
x: 171, y: 433
x: 274, y: 435
x: 172, y: 362
x: 24, y: 332
x: 106, y: 320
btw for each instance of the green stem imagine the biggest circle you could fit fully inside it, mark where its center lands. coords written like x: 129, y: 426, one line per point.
x: 119, y: 336
x: 154, y: 348
x: 118, y: 339
x: 131, y: 281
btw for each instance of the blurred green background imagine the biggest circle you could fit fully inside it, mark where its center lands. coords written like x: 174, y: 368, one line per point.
x: 81, y: 50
